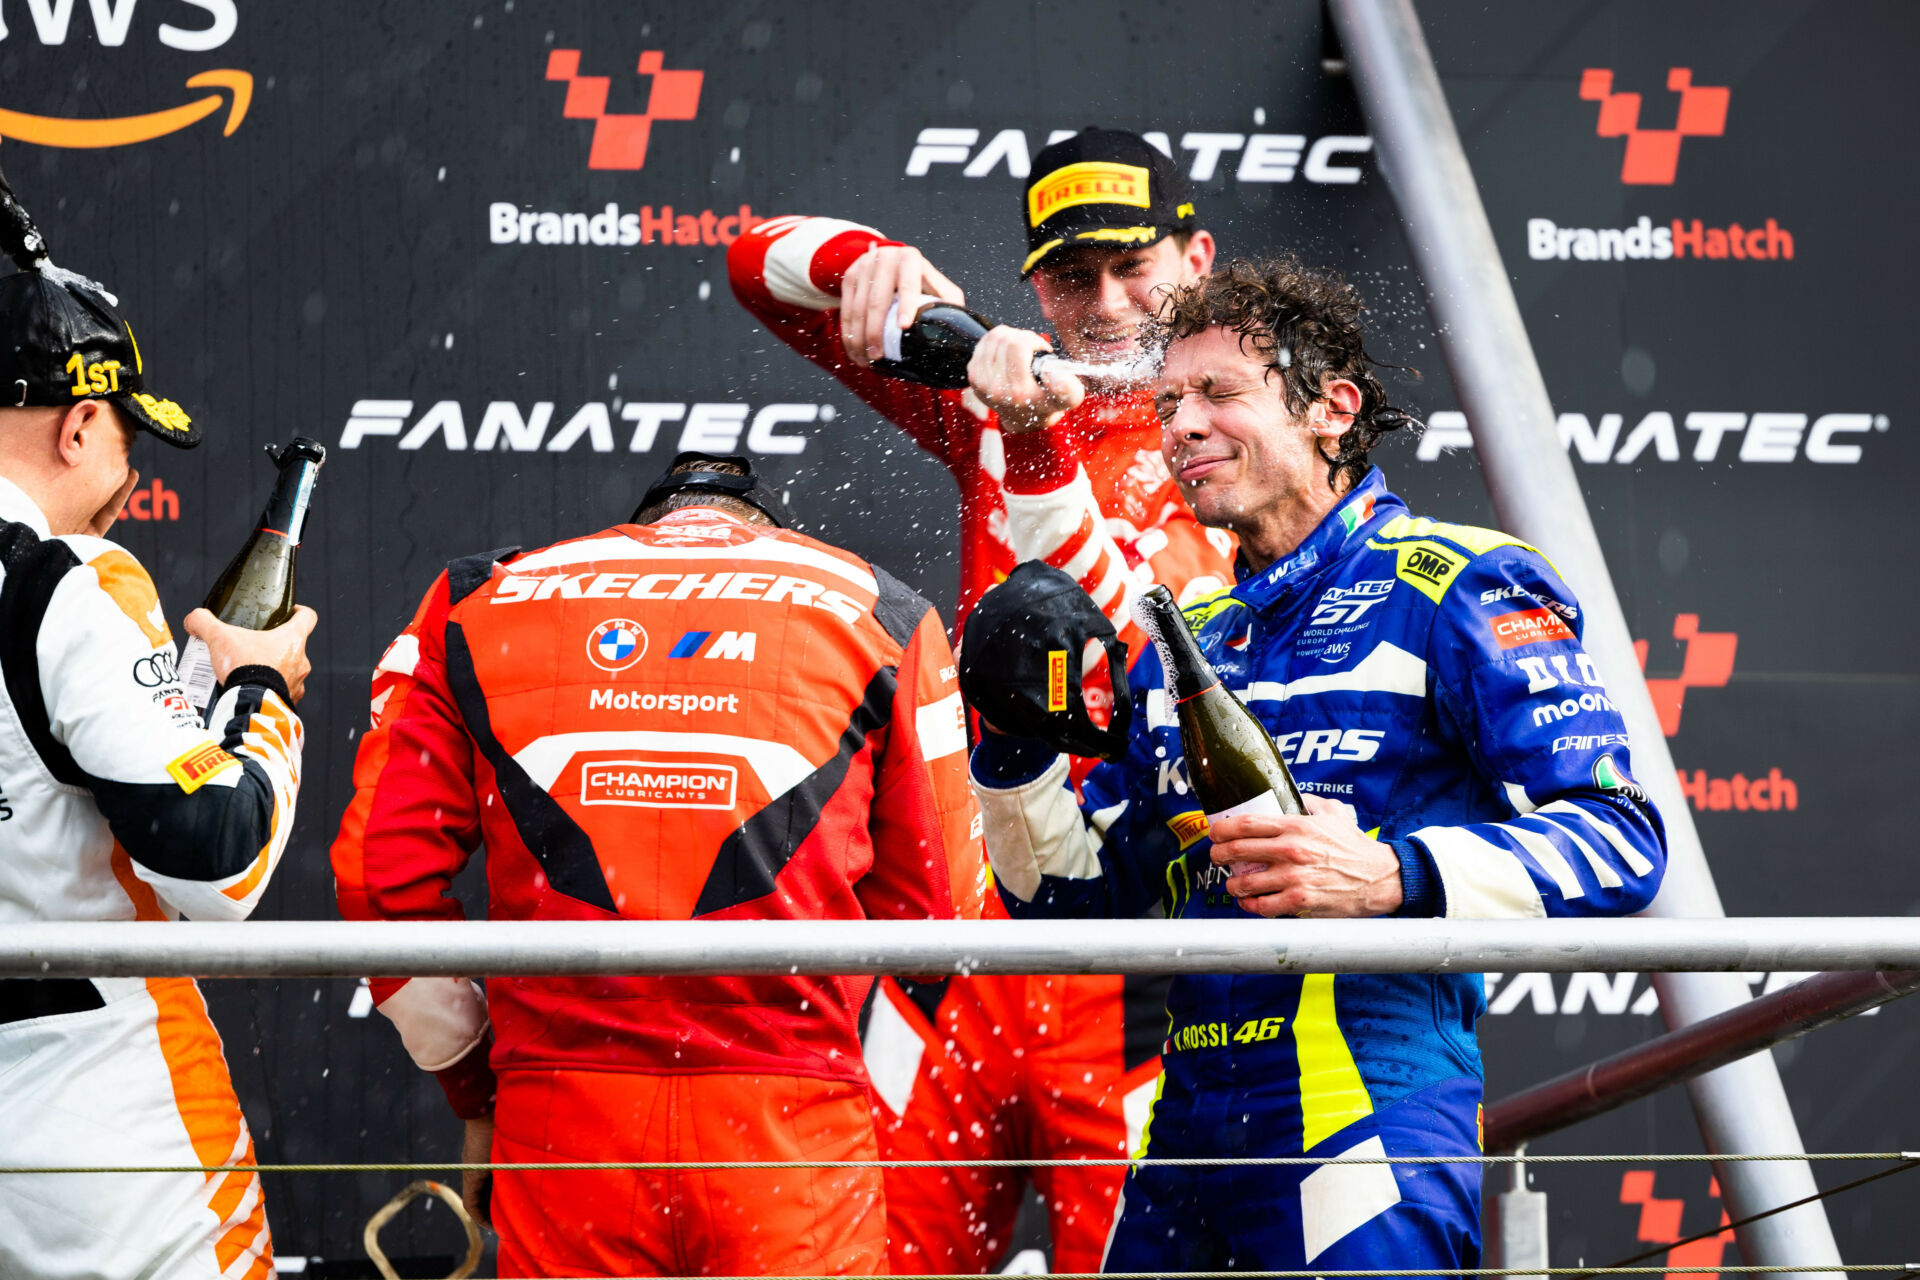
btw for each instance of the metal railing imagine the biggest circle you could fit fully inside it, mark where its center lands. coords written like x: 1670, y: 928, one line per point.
x: 1678, y: 1056
x: 319, y: 949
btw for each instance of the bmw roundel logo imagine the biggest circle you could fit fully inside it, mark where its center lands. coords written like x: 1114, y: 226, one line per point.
x: 617, y: 644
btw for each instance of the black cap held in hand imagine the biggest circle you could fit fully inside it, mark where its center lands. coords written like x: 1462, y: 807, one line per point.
x: 1103, y: 187
x: 1020, y: 662
x: 62, y: 338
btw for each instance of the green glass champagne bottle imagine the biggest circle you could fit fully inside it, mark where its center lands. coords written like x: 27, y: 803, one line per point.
x: 935, y: 351
x: 255, y: 590
x: 1231, y: 762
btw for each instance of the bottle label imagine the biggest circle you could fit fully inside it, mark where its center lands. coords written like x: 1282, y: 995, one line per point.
x: 890, y: 333
x: 196, y: 674
x: 1265, y: 803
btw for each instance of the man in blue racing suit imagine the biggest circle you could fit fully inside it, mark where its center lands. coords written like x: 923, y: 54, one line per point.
x: 1458, y: 755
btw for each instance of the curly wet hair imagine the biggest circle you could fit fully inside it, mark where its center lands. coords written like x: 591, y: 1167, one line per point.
x: 1305, y: 324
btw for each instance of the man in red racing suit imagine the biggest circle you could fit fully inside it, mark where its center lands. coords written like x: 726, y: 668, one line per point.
x: 1017, y: 1067
x: 702, y: 717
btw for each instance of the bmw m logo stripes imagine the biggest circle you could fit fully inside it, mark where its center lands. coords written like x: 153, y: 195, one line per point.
x: 709, y: 644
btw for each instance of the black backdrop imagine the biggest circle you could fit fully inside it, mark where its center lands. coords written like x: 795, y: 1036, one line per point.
x: 332, y: 267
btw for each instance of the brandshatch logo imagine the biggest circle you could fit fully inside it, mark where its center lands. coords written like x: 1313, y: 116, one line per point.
x: 1653, y: 155
x: 620, y: 138
x: 1652, y: 159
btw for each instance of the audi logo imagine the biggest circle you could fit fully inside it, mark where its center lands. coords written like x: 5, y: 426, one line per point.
x: 154, y: 670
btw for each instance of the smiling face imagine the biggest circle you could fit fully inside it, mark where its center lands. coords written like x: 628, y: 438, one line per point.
x: 1243, y: 461
x: 1096, y: 300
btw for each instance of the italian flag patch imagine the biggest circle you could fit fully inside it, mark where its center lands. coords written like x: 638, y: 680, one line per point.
x: 1355, y: 514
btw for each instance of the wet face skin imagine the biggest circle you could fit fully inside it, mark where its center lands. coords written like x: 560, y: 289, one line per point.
x: 1095, y: 300
x: 1242, y: 459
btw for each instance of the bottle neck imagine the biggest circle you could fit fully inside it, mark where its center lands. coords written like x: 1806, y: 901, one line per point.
x: 286, y: 511
x: 1189, y: 674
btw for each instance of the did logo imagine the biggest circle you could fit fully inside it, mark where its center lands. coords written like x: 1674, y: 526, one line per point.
x: 617, y: 644
x: 193, y: 26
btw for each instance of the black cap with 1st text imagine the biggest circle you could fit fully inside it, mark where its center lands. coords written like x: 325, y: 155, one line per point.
x: 62, y: 338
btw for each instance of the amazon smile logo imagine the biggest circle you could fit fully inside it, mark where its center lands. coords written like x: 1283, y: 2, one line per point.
x: 124, y: 131
x: 191, y: 26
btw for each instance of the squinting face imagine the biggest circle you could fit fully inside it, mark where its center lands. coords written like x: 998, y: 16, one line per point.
x: 1232, y: 446
x: 1097, y: 299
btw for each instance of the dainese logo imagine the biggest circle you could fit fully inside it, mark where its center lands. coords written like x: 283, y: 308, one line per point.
x: 620, y: 138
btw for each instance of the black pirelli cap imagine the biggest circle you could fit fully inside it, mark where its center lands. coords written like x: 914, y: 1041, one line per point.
x: 1103, y: 187
x: 62, y: 338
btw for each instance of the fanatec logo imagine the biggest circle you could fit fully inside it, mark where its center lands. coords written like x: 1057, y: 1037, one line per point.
x: 1659, y: 436
x: 1332, y: 160
x: 714, y: 427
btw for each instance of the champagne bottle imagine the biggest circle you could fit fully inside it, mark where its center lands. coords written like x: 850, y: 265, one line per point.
x: 255, y: 590
x: 1231, y: 762
x: 936, y: 349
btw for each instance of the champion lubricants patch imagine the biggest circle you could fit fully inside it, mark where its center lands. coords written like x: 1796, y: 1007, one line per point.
x: 1530, y: 626
x: 1089, y: 182
x: 191, y: 769
x: 651, y: 782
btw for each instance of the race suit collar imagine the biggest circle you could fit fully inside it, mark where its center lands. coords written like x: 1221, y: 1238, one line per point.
x: 16, y: 505
x: 1342, y: 531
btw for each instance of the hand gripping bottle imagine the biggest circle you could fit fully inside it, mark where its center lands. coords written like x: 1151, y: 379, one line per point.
x: 1231, y: 762
x: 255, y: 590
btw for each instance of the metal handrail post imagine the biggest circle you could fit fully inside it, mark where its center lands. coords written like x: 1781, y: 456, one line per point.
x: 1743, y: 1107
x: 1678, y: 1056
x: 1516, y: 1225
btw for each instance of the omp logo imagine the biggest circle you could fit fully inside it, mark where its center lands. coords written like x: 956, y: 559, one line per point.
x: 1428, y: 567
x: 620, y: 138
x: 1653, y: 155
x: 1828, y: 438
x: 713, y: 427
x: 112, y: 22
x: 729, y: 644
x: 1255, y: 157
x: 658, y: 784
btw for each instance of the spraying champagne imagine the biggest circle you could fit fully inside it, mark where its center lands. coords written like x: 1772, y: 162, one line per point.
x: 935, y: 349
x: 255, y: 590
